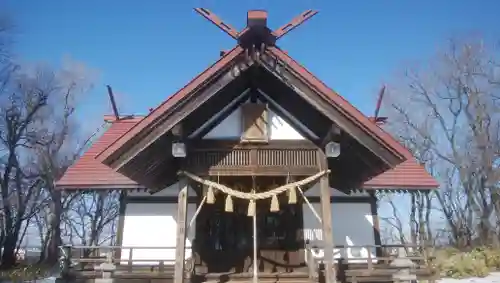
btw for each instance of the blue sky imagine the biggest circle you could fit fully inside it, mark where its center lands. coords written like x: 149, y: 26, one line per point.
x: 147, y: 50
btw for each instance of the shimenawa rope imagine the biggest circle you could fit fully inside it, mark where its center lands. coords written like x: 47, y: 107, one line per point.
x: 253, y: 196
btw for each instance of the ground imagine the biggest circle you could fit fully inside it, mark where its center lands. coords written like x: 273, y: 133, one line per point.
x: 492, y: 278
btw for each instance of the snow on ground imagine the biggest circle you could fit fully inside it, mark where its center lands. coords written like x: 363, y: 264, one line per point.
x: 492, y: 278
x: 46, y: 280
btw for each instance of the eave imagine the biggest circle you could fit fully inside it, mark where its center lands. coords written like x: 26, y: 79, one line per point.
x: 147, y: 126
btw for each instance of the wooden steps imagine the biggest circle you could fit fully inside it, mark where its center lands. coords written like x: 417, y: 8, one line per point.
x: 292, y: 277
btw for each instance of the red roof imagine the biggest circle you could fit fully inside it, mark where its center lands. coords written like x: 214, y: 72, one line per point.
x: 90, y: 172
x: 407, y: 175
x: 351, y: 112
x: 87, y: 172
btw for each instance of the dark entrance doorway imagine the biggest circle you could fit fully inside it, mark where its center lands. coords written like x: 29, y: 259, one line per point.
x: 224, y: 240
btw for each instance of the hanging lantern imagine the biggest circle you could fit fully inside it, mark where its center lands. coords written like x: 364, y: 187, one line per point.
x: 332, y: 149
x: 179, y: 150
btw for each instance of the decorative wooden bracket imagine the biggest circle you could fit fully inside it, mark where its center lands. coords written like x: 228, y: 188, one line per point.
x: 113, y: 102
x: 256, y: 33
x: 376, y: 119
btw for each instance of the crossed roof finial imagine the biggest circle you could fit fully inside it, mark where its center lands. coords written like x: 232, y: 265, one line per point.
x: 256, y: 32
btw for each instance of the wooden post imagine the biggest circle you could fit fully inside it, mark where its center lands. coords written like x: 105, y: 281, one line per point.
x: 255, y: 265
x: 180, y: 248
x: 326, y: 216
x: 66, y: 261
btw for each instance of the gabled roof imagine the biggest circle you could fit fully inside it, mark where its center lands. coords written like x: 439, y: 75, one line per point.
x: 89, y: 173
x: 334, y: 99
x: 125, y: 139
x: 255, y: 36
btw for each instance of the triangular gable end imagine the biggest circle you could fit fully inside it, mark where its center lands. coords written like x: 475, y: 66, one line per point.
x: 357, y: 125
x: 230, y: 128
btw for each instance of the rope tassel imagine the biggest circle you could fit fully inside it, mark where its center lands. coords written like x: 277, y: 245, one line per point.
x: 210, y: 195
x: 275, y: 205
x: 251, y: 208
x: 292, y: 196
x: 229, y: 204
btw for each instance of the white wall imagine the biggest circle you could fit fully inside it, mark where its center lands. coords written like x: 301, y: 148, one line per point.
x: 279, y: 129
x: 154, y: 225
x: 352, y: 225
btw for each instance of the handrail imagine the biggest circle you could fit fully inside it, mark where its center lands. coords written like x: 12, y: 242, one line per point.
x: 67, y: 261
x: 373, y: 261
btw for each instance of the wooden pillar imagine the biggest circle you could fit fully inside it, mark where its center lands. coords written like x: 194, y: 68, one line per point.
x: 376, y: 225
x: 326, y: 217
x: 180, y: 248
x: 121, y: 224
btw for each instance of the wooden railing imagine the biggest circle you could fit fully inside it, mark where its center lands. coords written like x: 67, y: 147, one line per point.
x: 283, y: 157
x: 81, y: 259
x: 87, y: 258
x: 418, y: 263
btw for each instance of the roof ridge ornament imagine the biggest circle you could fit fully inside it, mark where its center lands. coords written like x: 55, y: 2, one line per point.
x: 256, y: 33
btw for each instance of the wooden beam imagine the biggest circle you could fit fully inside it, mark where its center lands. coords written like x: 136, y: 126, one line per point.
x: 309, y: 93
x: 177, y: 131
x: 333, y: 132
x: 376, y: 224
x: 180, y: 248
x: 326, y: 216
x: 273, y: 106
x: 213, y: 18
x: 218, y: 118
x: 296, y: 106
x: 113, y: 102
x: 160, y: 199
x: 177, y: 114
x: 294, y: 23
x: 121, y: 223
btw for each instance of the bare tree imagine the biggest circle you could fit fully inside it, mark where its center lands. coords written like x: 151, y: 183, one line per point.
x: 36, y: 105
x: 447, y: 113
x: 22, y: 99
x: 62, y: 147
x: 91, y: 218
